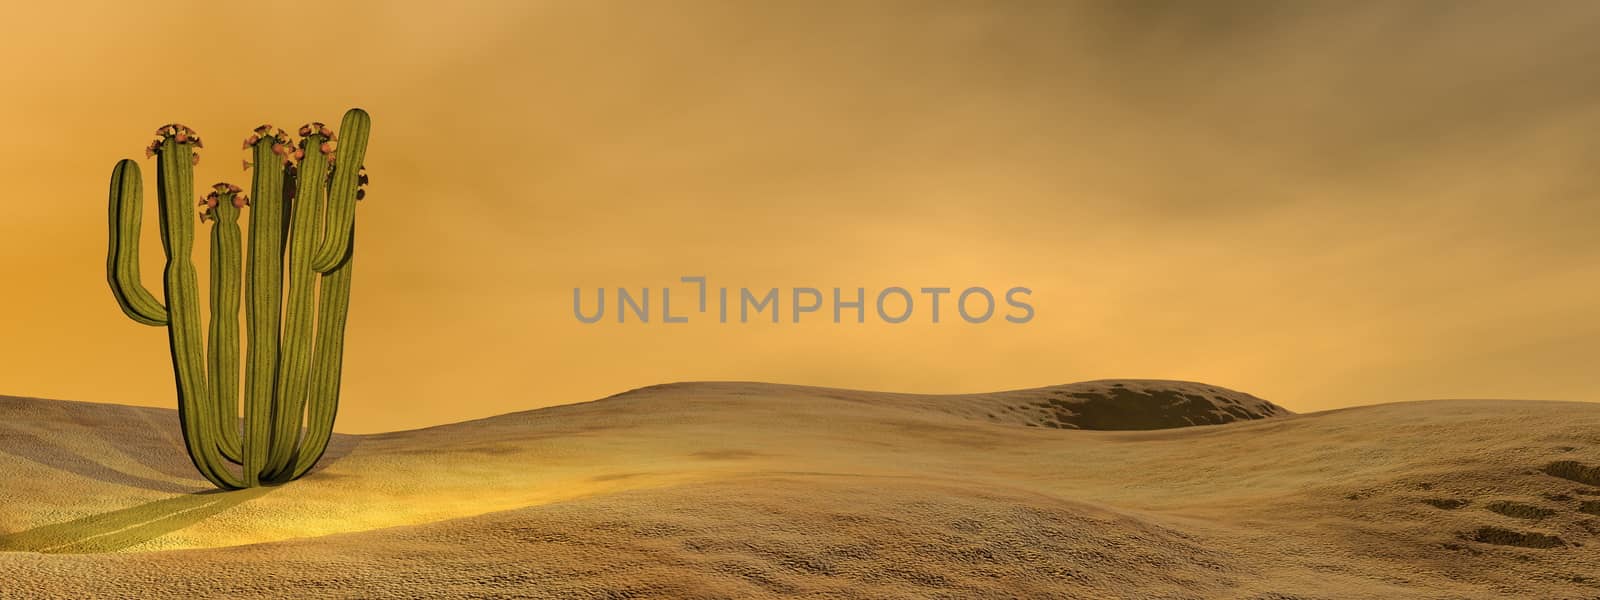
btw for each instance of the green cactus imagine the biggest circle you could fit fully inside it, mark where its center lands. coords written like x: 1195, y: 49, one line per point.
x: 303, y: 206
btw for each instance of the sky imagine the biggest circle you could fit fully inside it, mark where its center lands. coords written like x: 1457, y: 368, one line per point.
x: 1325, y: 204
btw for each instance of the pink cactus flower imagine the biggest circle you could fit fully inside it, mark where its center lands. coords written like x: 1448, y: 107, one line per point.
x: 241, y: 201
x: 327, y: 147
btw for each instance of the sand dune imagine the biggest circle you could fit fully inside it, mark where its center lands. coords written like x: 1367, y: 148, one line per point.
x: 709, y: 490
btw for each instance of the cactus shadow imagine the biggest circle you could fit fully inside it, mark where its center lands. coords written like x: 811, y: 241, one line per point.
x: 121, y: 529
x: 339, y: 446
x: 38, y: 450
x: 163, y: 452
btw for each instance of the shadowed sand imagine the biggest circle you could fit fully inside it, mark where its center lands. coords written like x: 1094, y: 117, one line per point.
x: 733, y: 490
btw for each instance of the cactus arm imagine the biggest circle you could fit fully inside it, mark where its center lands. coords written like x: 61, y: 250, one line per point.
x: 222, y: 347
x: 291, y: 179
x: 122, y: 254
x: 176, y: 174
x: 325, y: 374
x: 299, y: 318
x: 351, y: 150
x: 264, y: 291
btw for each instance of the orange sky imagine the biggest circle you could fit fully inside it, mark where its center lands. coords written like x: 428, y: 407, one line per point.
x: 1324, y: 207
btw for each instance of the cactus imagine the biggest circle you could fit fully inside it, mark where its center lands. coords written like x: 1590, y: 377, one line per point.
x: 302, y: 200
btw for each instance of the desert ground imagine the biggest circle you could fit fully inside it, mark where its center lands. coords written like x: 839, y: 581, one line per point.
x: 1104, y: 489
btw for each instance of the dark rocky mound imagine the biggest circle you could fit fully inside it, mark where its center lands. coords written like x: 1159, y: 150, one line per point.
x: 1138, y: 404
x: 1574, y: 471
x: 1505, y: 537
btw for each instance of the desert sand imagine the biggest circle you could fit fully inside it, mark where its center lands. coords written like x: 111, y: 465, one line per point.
x: 1107, y: 489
